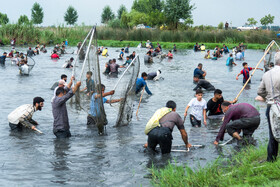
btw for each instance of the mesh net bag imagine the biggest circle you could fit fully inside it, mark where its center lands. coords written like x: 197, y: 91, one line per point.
x: 125, y: 90
x: 92, y: 86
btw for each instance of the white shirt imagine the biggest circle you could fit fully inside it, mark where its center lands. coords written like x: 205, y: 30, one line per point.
x: 24, y: 70
x: 197, y: 107
x: 21, y: 113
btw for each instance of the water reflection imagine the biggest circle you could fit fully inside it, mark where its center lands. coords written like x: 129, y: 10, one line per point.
x: 60, y: 164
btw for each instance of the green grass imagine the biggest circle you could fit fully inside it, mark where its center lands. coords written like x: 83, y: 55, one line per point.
x: 169, y: 45
x: 246, y: 168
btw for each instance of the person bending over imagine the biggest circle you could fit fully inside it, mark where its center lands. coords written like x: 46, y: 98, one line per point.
x: 239, y: 117
x: 160, y: 127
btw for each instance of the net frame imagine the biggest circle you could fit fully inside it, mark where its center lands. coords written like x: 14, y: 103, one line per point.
x: 90, y: 63
x: 127, y: 92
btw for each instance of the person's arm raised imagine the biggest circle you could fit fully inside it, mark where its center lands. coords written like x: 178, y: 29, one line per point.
x: 105, y: 94
x: 71, y: 82
x: 76, y: 87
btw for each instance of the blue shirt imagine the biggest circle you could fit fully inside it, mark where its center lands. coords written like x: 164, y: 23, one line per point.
x: 198, y: 72
x: 66, y: 43
x: 121, y: 55
x: 140, y: 83
x: 95, y: 105
x: 2, y: 59
x: 229, y: 61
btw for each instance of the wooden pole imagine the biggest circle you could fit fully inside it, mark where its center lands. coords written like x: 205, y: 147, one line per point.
x: 271, y: 44
x: 140, y: 101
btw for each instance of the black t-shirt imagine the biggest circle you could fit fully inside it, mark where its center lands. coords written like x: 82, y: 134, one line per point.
x: 215, y: 108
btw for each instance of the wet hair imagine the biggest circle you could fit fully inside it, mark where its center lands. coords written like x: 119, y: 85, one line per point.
x: 199, y: 91
x: 4, y: 53
x: 63, y: 76
x: 127, y: 57
x: 122, y: 49
x: 170, y: 51
x: 103, y: 86
x: 59, y: 91
x: 89, y: 73
x: 149, y: 52
x: 114, y: 60
x: 37, y: 100
x: 226, y: 103
x: 244, y: 63
x: 171, y: 104
x: 144, y: 74
x: 218, y: 91
x: 199, y: 64
x: 230, y: 54
x: 71, y: 58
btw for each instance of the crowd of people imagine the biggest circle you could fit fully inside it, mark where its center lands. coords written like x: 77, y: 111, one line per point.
x: 242, y: 117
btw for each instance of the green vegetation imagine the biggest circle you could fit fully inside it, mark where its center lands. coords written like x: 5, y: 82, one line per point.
x: 3, y: 19
x: 246, y: 168
x: 71, y: 16
x: 37, y: 14
x: 251, y: 21
x: 266, y: 20
x: 107, y: 15
x: 121, y: 37
x: 23, y: 19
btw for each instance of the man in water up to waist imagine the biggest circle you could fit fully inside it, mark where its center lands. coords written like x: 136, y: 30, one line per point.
x: 244, y: 117
x: 61, y: 127
x: 22, y: 116
x: 202, y: 83
x: 141, y: 82
x: 269, y: 89
x: 160, y: 126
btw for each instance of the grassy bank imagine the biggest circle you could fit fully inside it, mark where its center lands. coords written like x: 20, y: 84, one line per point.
x: 246, y: 168
x: 180, y: 45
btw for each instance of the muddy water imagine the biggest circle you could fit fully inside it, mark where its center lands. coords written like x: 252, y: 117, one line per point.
x: 117, y: 159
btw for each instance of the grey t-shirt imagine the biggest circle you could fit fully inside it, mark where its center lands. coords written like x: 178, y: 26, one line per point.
x: 59, y: 110
x: 172, y: 119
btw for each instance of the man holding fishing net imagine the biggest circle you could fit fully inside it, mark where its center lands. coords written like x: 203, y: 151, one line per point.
x: 269, y: 89
x: 239, y: 117
x: 95, y: 104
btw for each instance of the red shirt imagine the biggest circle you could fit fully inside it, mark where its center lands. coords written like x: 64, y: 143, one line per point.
x: 55, y: 56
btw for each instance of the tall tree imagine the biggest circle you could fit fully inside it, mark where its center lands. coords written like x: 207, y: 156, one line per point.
x: 107, y: 14
x: 175, y: 10
x: 37, y: 14
x: 71, y: 16
x: 121, y: 10
x: 266, y: 20
x: 148, y: 6
x: 251, y: 21
x: 3, y: 19
x: 23, y: 19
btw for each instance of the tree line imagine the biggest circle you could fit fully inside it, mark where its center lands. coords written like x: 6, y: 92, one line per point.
x: 171, y: 14
x: 37, y: 16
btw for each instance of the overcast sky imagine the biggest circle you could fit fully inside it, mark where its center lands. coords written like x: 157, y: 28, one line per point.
x: 207, y: 12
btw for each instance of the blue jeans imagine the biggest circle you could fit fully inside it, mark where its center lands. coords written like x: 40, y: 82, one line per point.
x: 272, y: 148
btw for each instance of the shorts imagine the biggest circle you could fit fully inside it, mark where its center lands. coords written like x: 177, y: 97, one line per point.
x: 194, y: 121
x: 161, y: 136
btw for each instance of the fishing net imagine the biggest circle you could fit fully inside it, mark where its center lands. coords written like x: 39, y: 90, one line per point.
x: 125, y: 90
x: 269, y: 58
x: 90, y: 86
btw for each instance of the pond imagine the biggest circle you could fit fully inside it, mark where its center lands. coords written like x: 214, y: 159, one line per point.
x: 117, y: 159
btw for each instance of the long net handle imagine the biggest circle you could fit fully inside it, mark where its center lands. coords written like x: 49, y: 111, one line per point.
x: 267, y: 50
x: 140, y: 100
